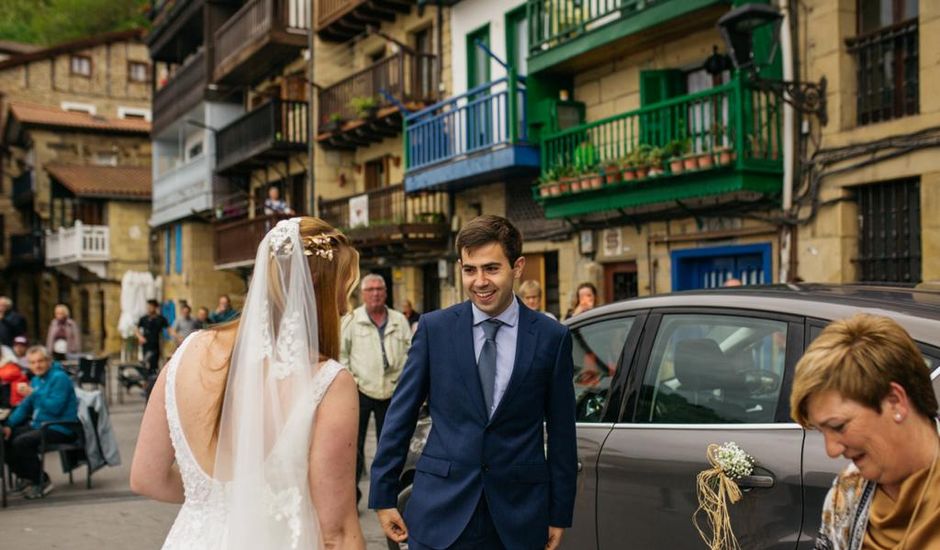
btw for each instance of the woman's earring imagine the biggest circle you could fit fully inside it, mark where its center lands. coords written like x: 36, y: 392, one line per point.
x: 897, y: 417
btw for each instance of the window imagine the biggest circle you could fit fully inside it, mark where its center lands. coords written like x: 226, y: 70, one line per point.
x: 73, y: 107
x: 85, y: 312
x: 596, y: 350
x: 106, y: 159
x: 889, y: 232
x: 886, y: 58
x: 80, y: 65
x: 138, y: 72
x: 376, y: 174
x: 194, y: 150
x: 714, y: 369
x: 134, y: 113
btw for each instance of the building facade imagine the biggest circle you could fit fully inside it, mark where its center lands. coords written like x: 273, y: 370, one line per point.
x: 74, y: 194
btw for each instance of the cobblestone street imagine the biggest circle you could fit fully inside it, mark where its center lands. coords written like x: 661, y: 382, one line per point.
x: 109, y: 515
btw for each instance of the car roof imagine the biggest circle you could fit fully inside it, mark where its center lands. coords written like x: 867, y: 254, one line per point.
x: 918, y: 311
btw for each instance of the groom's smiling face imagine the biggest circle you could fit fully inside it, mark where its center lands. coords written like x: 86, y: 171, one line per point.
x: 488, y: 278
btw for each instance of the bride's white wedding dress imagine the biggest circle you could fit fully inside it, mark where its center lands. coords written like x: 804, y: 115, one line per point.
x: 290, y: 522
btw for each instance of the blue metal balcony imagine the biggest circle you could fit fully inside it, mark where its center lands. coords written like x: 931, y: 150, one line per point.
x: 472, y: 139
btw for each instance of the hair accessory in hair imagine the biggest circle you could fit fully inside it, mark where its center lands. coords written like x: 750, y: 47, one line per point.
x: 321, y: 245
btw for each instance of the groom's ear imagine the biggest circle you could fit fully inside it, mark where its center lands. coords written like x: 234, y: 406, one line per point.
x: 518, y: 267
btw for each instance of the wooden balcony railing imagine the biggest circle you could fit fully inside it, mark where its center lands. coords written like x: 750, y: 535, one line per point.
x: 388, y: 217
x: 341, y: 20
x: 408, y: 77
x: 184, y: 90
x: 24, y: 190
x: 276, y: 128
x: 236, y: 242
x: 262, y: 32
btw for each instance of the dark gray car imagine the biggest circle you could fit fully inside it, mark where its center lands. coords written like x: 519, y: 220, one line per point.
x: 659, y: 379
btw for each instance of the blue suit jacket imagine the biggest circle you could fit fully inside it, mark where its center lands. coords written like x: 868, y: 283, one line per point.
x: 527, y: 487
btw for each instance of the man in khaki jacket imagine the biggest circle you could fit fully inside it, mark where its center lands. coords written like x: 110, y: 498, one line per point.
x: 375, y: 342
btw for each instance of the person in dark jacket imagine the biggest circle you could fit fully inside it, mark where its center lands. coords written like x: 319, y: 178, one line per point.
x: 49, y: 397
x: 12, y: 324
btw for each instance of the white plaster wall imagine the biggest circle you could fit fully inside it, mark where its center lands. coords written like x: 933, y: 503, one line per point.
x: 468, y: 16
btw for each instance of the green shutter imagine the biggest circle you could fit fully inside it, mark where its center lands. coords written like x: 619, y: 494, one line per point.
x: 659, y: 127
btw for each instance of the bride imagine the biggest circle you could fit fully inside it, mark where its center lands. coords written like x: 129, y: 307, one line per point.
x: 259, y: 418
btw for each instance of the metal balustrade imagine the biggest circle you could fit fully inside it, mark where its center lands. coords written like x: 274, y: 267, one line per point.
x: 481, y: 119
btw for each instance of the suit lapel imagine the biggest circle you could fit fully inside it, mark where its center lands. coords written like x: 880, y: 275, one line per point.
x: 526, y: 341
x: 466, y: 357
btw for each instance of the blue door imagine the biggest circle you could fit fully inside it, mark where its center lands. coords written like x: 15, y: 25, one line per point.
x: 712, y: 267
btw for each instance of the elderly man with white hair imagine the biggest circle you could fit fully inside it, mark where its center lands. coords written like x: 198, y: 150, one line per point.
x: 374, y: 344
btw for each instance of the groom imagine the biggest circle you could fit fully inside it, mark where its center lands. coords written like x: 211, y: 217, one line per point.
x: 492, y: 371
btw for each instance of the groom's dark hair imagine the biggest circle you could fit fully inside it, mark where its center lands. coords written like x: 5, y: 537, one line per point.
x: 487, y: 229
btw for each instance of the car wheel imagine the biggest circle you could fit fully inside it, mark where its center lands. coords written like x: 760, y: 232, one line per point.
x: 403, y: 497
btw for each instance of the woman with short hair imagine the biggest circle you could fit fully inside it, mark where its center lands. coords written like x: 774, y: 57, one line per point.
x: 865, y: 386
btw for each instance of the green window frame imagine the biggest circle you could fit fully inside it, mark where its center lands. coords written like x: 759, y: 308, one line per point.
x: 483, y: 35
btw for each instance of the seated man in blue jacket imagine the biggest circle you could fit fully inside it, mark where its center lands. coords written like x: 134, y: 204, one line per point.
x: 49, y: 397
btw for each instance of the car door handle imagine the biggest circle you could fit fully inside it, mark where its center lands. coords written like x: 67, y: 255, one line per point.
x: 756, y: 482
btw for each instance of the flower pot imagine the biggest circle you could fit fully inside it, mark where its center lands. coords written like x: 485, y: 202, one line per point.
x: 690, y: 163
x: 612, y: 174
x: 555, y: 189
x: 642, y: 172
x: 655, y: 171
x: 725, y: 157
x: 566, y: 183
x: 629, y: 174
x: 545, y: 189
x: 675, y: 166
x: 575, y: 186
x: 706, y: 161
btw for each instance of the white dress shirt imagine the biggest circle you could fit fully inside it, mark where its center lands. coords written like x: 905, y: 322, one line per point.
x: 505, y: 345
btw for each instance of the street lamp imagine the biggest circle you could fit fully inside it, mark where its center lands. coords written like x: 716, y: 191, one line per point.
x: 737, y: 29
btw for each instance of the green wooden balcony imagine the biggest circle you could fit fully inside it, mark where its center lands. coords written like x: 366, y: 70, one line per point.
x: 564, y: 34
x: 723, y: 143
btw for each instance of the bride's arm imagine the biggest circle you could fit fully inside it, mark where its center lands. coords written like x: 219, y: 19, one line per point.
x: 333, y: 465
x: 152, y: 472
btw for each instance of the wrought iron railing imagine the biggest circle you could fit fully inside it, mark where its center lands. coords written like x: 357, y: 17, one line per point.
x: 386, y: 207
x: 554, y: 22
x: 255, y: 19
x: 732, y: 118
x: 480, y: 119
x: 408, y: 77
x: 277, y: 124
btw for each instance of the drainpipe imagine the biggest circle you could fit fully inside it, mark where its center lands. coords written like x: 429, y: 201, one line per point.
x: 786, y: 46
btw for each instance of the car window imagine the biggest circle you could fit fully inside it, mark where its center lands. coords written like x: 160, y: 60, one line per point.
x: 714, y: 369
x: 596, y: 350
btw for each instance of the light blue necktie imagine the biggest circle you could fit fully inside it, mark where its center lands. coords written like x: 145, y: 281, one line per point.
x: 487, y: 362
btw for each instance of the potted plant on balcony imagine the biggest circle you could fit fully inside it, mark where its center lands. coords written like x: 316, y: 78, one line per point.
x: 591, y: 178
x: 333, y: 123
x: 655, y: 158
x: 641, y: 160
x: 612, y: 172
x: 567, y: 177
x: 677, y: 149
x: 364, y: 106
x: 547, y: 181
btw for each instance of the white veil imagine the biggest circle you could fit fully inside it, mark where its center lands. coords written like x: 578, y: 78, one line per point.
x: 266, y: 423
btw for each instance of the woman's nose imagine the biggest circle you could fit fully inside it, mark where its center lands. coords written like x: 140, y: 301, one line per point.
x: 833, y: 447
